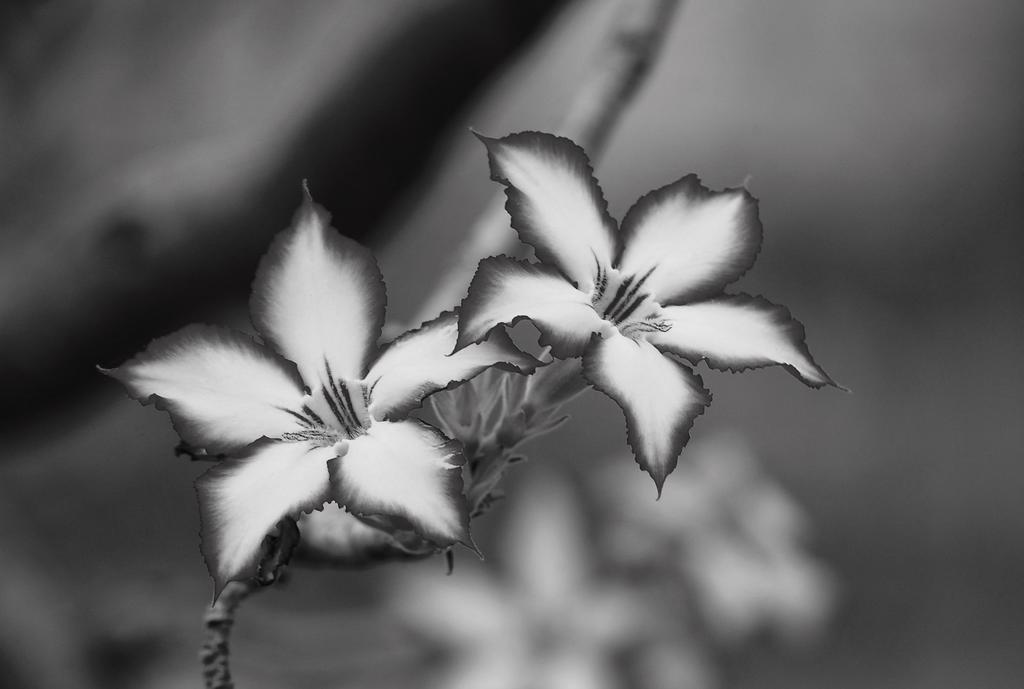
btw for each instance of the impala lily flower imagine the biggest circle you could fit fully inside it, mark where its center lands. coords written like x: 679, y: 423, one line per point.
x: 623, y: 297
x: 316, y: 412
x: 556, y: 619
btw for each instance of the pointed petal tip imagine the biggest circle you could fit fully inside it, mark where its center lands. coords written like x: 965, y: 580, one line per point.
x: 840, y: 387
x: 483, y: 138
x: 824, y: 379
x: 468, y: 543
x: 218, y: 588
x: 463, y: 340
x: 659, y: 484
x: 821, y: 379
x: 658, y: 462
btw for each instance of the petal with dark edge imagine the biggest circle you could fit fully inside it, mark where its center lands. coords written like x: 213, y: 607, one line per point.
x: 319, y: 298
x: 660, y: 398
x: 554, y: 202
x: 223, y: 390
x: 505, y: 290
x: 240, y: 501
x: 420, y: 362
x: 696, y: 240
x: 738, y: 332
x: 409, y: 470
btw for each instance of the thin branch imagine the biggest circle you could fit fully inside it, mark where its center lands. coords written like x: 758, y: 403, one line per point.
x: 147, y: 229
x: 630, y: 49
x: 215, y: 653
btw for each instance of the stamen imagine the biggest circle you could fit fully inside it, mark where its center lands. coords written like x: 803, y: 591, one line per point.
x: 647, y: 327
x: 315, y: 434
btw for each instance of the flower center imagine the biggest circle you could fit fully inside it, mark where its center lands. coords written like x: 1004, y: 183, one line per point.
x: 621, y: 300
x: 337, y: 410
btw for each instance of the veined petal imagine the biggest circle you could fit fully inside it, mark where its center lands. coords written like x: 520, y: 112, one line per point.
x: 505, y: 290
x: 406, y: 469
x: 319, y: 298
x: 554, y: 202
x: 660, y: 398
x: 240, y: 501
x: 223, y: 390
x: 737, y: 332
x: 698, y: 241
x: 420, y: 362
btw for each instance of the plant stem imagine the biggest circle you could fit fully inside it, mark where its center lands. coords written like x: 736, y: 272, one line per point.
x: 218, y: 621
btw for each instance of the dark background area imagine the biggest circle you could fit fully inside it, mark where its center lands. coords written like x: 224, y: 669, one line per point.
x: 151, y: 151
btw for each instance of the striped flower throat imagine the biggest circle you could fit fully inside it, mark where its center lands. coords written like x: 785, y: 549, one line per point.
x: 335, y: 412
x: 622, y: 301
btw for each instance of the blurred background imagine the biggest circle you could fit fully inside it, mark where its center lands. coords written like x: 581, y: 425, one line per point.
x: 148, y: 152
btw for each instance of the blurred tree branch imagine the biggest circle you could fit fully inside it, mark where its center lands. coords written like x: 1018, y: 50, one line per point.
x: 151, y: 151
x: 42, y: 640
x: 630, y: 50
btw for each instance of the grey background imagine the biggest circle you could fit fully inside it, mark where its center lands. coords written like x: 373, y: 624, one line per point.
x: 884, y: 141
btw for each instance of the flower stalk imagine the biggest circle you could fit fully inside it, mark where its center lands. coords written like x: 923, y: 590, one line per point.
x: 219, y: 619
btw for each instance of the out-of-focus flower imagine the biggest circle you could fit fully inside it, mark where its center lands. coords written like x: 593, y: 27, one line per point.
x: 735, y: 538
x: 551, y: 623
x: 315, y: 413
x: 623, y: 297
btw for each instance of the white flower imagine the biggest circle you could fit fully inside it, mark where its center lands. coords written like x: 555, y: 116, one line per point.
x: 735, y: 536
x: 551, y: 622
x: 622, y: 297
x: 316, y: 412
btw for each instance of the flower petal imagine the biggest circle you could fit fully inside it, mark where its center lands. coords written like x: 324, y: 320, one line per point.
x: 319, y: 298
x: 659, y: 396
x: 554, y: 202
x: 505, y: 290
x: 737, y: 332
x: 419, y: 363
x: 223, y: 390
x: 696, y: 240
x: 409, y: 470
x: 240, y: 501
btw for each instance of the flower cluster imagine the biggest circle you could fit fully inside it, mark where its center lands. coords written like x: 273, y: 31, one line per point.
x: 315, y: 411
x: 661, y: 598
